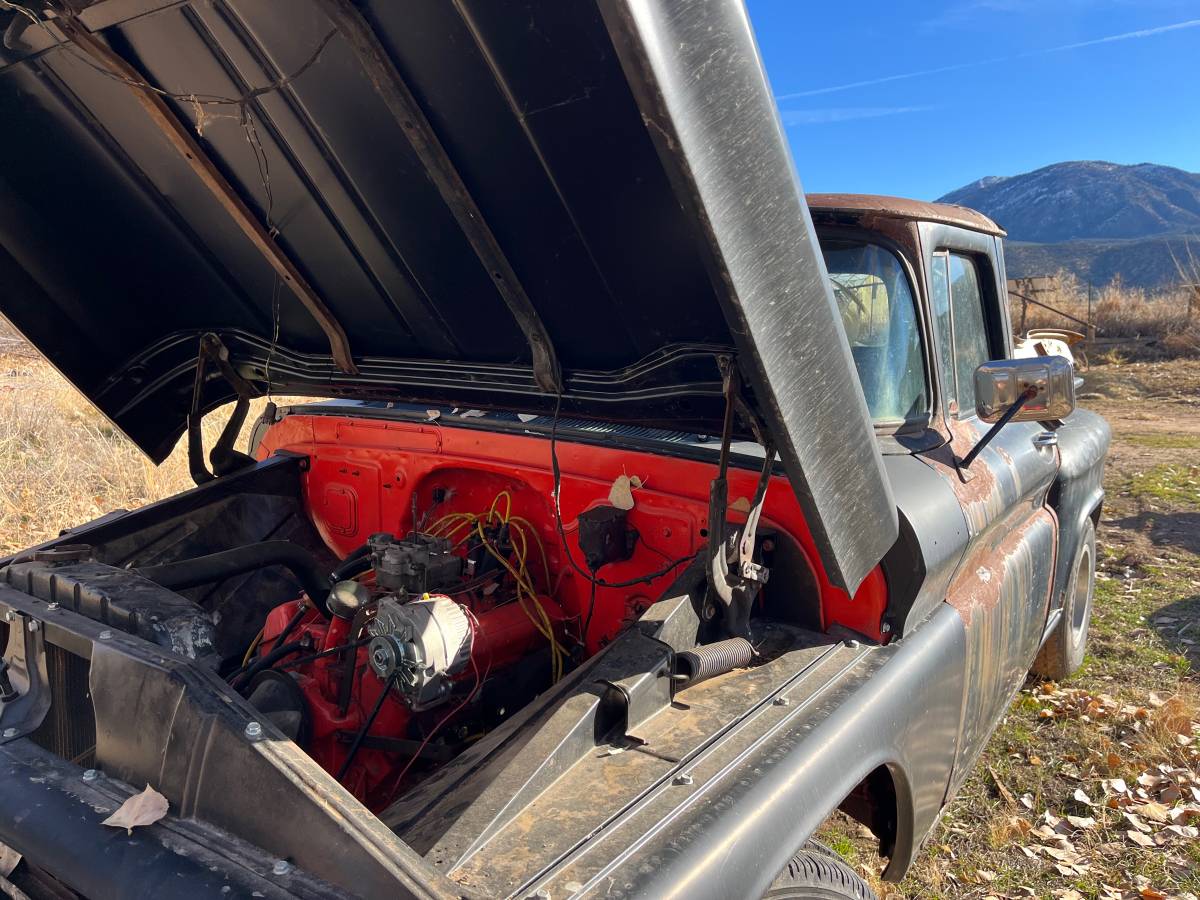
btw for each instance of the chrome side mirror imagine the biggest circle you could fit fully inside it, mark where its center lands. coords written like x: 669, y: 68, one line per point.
x: 1046, y: 382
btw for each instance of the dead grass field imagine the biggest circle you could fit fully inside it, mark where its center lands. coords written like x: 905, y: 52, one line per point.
x: 62, y: 463
x: 1132, y: 323
x: 1087, y: 789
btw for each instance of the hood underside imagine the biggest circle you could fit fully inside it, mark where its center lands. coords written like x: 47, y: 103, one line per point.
x: 467, y: 202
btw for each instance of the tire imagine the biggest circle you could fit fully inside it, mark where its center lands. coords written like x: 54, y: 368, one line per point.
x: 817, y: 873
x: 1063, y: 651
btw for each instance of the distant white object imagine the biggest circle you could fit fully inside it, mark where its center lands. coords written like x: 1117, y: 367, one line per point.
x: 1047, y: 342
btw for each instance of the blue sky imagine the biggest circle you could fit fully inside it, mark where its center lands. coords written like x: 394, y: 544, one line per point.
x: 1019, y: 84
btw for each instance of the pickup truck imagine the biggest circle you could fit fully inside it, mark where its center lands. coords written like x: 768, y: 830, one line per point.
x: 653, y: 513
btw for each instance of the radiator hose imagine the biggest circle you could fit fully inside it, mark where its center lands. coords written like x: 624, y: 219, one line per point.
x: 189, y: 573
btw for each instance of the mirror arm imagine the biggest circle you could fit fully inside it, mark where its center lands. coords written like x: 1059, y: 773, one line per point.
x: 1028, y: 394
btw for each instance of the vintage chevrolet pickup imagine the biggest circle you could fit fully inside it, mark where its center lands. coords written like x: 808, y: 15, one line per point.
x: 656, y: 513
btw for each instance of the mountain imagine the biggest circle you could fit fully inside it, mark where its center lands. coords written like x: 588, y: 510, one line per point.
x: 1096, y: 219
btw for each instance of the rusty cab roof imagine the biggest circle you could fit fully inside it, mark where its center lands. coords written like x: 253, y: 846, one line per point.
x: 824, y: 207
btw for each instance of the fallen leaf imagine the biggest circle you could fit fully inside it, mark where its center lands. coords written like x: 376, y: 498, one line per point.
x: 1152, y: 810
x: 1083, y: 822
x: 1081, y: 796
x: 1151, y: 894
x: 1027, y: 800
x: 1138, y: 838
x: 9, y: 859
x: 145, y: 808
x: 1005, y: 793
x: 620, y: 494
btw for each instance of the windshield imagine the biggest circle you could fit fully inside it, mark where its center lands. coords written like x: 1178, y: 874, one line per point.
x: 880, y: 319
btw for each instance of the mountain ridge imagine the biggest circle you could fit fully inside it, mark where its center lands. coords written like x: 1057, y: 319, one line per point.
x: 1094, y: 218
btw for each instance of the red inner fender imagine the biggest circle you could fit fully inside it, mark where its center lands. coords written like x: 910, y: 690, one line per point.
x: 364, y: 475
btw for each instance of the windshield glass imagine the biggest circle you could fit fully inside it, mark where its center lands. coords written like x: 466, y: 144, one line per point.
x: 880, y: 319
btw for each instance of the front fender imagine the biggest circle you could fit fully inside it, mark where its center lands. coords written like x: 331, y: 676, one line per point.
x: 1078, y: 491
x: 752, y: 799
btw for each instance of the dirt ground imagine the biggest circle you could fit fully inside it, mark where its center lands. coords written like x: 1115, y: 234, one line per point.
x: 1091, y: 788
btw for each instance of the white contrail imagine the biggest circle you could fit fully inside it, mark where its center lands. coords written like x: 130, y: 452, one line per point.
x: 1112, y: 38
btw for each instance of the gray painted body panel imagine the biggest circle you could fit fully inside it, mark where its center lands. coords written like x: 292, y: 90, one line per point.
x: 1083, y: 441
x: 758, y: 794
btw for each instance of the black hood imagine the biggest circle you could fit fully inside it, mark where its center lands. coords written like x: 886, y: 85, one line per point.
x: 491, y: 203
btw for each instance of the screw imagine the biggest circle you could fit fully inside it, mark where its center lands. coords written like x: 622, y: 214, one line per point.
x: 885, y: 628
x: 254, y: 730
x: 282, y: 866
x: 32, y: 625
x: 106, y: 635
x: 90, y: 775
x: 783, y: 701
x: 52, y: 606
x: 10, y: 732
x: 852, y: 644
x: 684, y: 779
x: 542, y: 894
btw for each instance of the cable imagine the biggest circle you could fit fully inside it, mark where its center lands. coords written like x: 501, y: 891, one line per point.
x: 361, y: 735
x: 479, y: 682
x: 253, y: 646
x: 302, y: 660
x: 301, y: 609
x: 587, y: 623
x: 562, y: 535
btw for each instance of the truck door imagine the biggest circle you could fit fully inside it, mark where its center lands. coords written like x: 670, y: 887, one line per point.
x: 1002, y: 587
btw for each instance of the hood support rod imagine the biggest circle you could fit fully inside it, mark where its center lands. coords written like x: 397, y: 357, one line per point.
x: 390, y: 86
x: 181, y: 140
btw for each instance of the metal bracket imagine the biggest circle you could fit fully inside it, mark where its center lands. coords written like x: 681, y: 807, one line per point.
x: 224, y: 458
x: 26, y: 657
x: 396, y: 96
x: 735, y: 590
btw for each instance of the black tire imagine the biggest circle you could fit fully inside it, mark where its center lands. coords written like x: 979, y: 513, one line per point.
x: 817, y: 873
x: 1063, y: 651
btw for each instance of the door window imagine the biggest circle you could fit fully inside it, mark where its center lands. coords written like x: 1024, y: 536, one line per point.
x: 957, y: 298
x: 880, y: 319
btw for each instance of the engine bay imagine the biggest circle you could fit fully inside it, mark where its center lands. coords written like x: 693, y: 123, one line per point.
x: 415, y: 587
x: 428, y: 641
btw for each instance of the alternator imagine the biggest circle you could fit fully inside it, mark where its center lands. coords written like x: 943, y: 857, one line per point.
x: 425, y: 641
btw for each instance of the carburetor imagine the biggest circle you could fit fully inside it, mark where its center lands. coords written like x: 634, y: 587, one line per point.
x: 417, y: 564
x: 424, y: 643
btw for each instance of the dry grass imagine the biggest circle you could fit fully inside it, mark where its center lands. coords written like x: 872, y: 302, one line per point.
x: 1154, y: 324
x: 62, y: 463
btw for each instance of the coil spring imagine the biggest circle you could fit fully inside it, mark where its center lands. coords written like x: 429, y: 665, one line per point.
x: 709, y: 660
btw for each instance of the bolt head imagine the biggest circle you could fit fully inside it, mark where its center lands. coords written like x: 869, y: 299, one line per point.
x: 885, y: 628
x: 852, y: 644
x: 90, y: 775
x: 106, y: 635
x: 52, y: 606
x: 10, y: 732
x: 542, y: 894
x: 253, y: 730
x: 33, y: 625
x: 783, y: 701
x: 684, y: 778
x: 282, y: 866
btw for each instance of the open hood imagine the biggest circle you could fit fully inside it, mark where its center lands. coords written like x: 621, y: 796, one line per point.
x: 495, y: 204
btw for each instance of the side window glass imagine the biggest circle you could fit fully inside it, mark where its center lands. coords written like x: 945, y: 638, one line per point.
x: 939, y: 289
x: 969, y: 327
